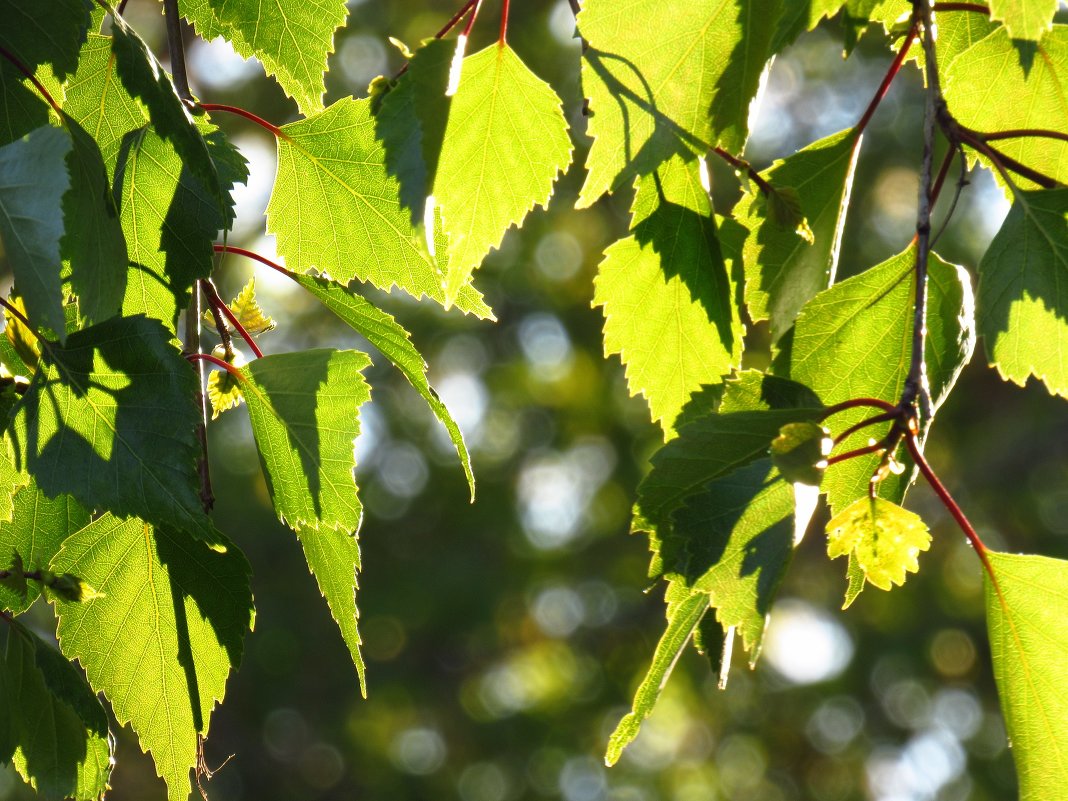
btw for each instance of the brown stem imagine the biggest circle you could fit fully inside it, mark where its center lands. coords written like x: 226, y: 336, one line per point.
x: 575, y: 7
x: 885, y: 417
x: 448, y: 26
x: 976, y: 7
x: 192, y: 343
x: 474, y: 15
x: 248, y: 115
x: 176, y: 48
x: 219, y: 306
x: 504, y: 22
x: 249, y: 254
x: 214, y: 304
x: 875, y: 447
x: 17, y: 64
x: 962, y: 181
x: 888, y: 79
x: 744, y: 166
x: 1003, y: 162
x: 197, y: 358
x: 855, y: 403
x: 1022, y: 133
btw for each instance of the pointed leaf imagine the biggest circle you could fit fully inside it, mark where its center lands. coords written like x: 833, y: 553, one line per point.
x: 248, y: 312
x: 163, y: 634
x: 668, y: 78
x: 33, y: 181
x: 684, y: 619
x: 304, y: 410
x: 1023, y: 300
x: 854, y: 340
x: 881, y: 538
x: 1025, y: 613
x: 38, y: 528
x: 667, y: 297
x: 505, y: 144
x: 386, y: 334
x: 292, y: 38
x: 110, y: 419
x: 784, y: 269
x: 1024, y: 19
x: 62, y: 746
x: 44, y: 33
x: 1035, y: 71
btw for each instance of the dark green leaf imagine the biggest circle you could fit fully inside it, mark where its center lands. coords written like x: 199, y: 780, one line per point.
x: 44, y: 32
x: 24, y: 110
x: 800, y: 452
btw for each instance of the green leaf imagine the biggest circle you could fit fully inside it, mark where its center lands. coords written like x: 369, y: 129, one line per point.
x: 38, y: 528
x: 170, y: 220
x: 386, y: 334
x: 24, y: 110
x: 881, y: 538
x: 31, y: 225
x: 92, y: 241
x: 247, y: 310
x: 684, y: 619
x: 62, y: 746
x: 99, y: 102
x: 224, y: 392
x: 144, y: 78
x: 1035, y: 71
x: 44, y: 33
x: 110, y: 419
x: 854, y: 340
x: 733, y: 540
x: 293, y: 38
x: 1025, y: 613
x: 668, y: 78
x: 667, y: 297
x: 1024, y: 19
x: 162, y: 635
x: 1023, y: 301
x: 796, y: 18
x: 505, y: 144
x: 784, y: 269
x: 754, y: 408
x: 304, y: 410
x: 800, y: 452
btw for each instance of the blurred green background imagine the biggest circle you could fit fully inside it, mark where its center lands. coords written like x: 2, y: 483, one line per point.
x: 504, y: 639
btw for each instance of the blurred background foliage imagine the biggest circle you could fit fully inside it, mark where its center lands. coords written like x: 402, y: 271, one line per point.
x: 504, y: 639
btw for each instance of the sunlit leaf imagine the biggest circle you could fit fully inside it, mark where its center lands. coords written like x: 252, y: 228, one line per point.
x: 164, y: 632
x: 667, y: 297
x: 1026, y: 612
x: 224, y: 392
x: 248, y: 312
x: 881, y: 538
x: 1024, y: 19
x: 1023, y: 299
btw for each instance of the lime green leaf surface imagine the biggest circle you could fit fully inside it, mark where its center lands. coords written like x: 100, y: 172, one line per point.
x: 304, y: 410
x: 854, y: 340
x: 248, y: 312
x: 667, y: 297
x: 224, y: 392
x: 1024, y: 19
x: 881, y: 538
x: 800, y: 452
x: 24, y: 109
x: 668, y: 78
x: 685, y: 618
x: 386, y: 334
x: 92, y: 241
x: 505, y: 144
x: 44, y: 33
x: 160, y: 639
x: 292, y: 38
x: 110, y: 419
x: 33, y: 181
x: 1026, y: 615
x: 99, y: 102
x: 754, y: 408
x: 784, y: 269
x: 1023, y: 298
x: 1042, y: 79
x: 38, y: 527
x: 144, y: 78
x: 331, y: 169
x: 61, y: 740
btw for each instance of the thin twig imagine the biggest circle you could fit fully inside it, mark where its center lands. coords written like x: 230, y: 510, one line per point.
x: 219, y: 306
x: 888, y: 79
x: 448, y: 26
x: 885, y: 417
x: 504, y: 22
x: 976, y: 7
x: 192, y: 343
x: 21, y: 318
x: 1003, y: 161
x: 199, y: 358
x: 176, y: 48
x: 1024, y: 133
x: 855, y: 403
x: 744, y: 166
x: 875, y: 447
x: 575, y: 7
x: 248, y: 115
x: 962, y: 181
x: 215, y: 303
x: 474, y: 15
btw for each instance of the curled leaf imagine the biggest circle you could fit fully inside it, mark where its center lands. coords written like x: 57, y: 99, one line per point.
x: 800, y: 452
x: 883, y: 541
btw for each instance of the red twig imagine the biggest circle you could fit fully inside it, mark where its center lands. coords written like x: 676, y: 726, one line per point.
x: 976, y: 7
x: 459, y: 15
x: 504, y: 22
x: 249, y: 254
x: 474, y: 14
x: 885, y: 417
x: 744, y: 166
x: 854, y: 403
x: 13, y: 59
x: 888, y: 79
x: 248, y: 115
x: 220, y: 305
x: 225, y: 365
x: 875, y: 447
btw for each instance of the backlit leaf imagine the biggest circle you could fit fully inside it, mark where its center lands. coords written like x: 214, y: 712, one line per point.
x: 1024, y: 19
x: 1023, y: 299
x: 667, y: 297
x: 164, y: 632
x: 224, y: 392
x: 292, y: 38
x: 505, y: 144
x: 668, y: 78
x: 248, y: 312
x: 1026, y: 613
x: 881, y: 538
x: 784, y: 268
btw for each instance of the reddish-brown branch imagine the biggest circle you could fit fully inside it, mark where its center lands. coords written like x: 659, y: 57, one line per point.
x: 448, y: 26
x: 13, y: 59
x: 744, y: 166
x: 1004, y: 163
x: 855, y: 403
x: 248, y: 115
x: 976, y: 7
x: 220, y: 306
x: 943, y: 171
x: 474, y: 15
x: 1023, y: 133
x: 885, y: 417
x: 504, y: 22
x: 888, y: 79
x: 225, y: 365
x: 875, y: 447
x: 249, y: 254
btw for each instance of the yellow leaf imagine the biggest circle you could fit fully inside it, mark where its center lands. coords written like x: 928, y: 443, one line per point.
x: 882, y: 539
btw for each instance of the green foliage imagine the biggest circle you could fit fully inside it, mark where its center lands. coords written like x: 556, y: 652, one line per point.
x: 773, y: 382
